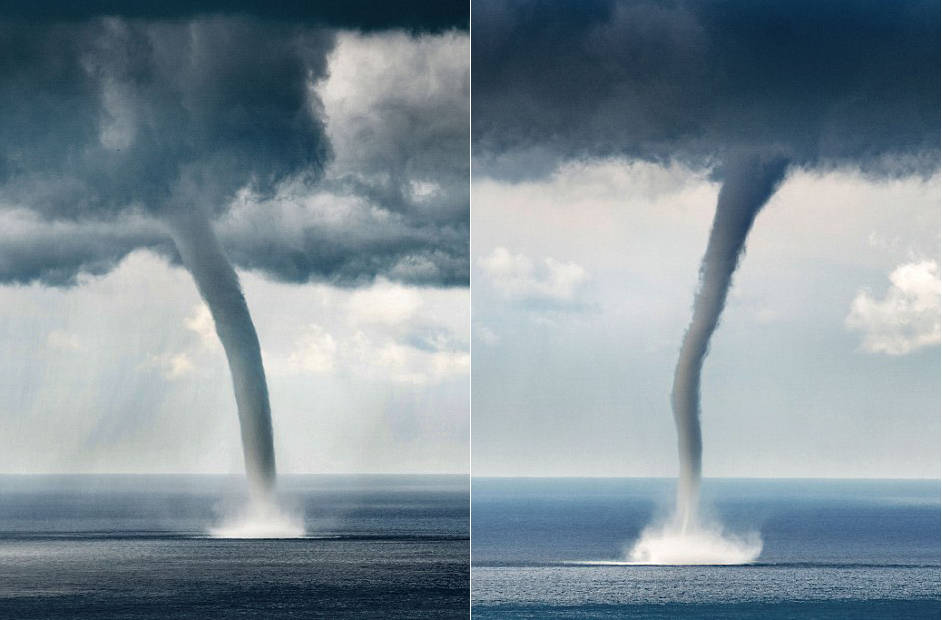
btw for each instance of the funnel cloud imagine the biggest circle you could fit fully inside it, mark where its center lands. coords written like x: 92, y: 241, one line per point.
x: 749, y: 182
x: 218, y: 285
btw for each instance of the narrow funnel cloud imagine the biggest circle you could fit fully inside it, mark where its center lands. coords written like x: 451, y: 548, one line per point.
x: 219, y: 286
x: 748, y: 182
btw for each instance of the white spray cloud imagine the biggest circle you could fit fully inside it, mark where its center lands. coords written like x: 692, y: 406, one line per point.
x: 671, y: 544
x: 260, y: 519
x: 907, y: 318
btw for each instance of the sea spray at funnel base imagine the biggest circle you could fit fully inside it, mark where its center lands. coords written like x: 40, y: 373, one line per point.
x: 748, y: 182
x: 697, y: 544
x: 260, y: 518
x: 218, y: 284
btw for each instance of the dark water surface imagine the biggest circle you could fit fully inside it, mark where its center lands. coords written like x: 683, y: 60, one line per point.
x: 137, y: 547
x: 831, y: 549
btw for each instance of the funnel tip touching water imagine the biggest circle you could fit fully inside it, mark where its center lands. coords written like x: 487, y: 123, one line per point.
x: 261, y: 518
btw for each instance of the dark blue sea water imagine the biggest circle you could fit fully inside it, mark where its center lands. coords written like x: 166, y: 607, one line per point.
x: 137, y: 547
x: 831, y: 549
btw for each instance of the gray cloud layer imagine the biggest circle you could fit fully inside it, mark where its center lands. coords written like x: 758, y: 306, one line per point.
x: 111, y: 115
x: 412, y: 15
x: 849, y: 81
x: 110, y: 124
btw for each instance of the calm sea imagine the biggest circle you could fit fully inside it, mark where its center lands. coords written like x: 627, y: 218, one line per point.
x: 831, y: 549
x: 137, y: 547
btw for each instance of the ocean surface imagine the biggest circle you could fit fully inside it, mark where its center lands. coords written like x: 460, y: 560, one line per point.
x: 831, y: 549
x: 139, y: 547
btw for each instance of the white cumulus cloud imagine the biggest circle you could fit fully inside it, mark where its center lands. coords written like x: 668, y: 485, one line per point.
x: 201, y: 323
x: 403, y: 363
x: 907, y: 318
x: 58, y: 339
x: 384, y: 303
x: 517, y: 276
x: 315, y: 352
x: 172, y: 365
x: 384, y: 333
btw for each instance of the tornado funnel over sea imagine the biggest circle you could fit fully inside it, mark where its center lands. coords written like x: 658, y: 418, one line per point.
x: 749, y: 181
x: 740, y: 90
x: 219, y: 286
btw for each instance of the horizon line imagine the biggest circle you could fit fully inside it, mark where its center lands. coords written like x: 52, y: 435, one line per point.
x: 473, y: 476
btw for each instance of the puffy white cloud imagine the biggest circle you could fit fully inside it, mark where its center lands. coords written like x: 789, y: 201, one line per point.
x: 385, y: 333
x: 486, y: 335
x: 398, y: 105
x: 405, y: 363
x: 384, y: 303
x: 519, y: 277
x: 907, y: 318
x: 201, y: 323
x: 173, y: 365
x: 58, y: 339
x: 315, y: 352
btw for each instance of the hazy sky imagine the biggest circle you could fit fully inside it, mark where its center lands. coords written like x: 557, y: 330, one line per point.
x: 356, y: 274
x: 826, y: 362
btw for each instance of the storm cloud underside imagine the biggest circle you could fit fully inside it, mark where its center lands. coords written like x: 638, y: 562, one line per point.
x: 108, y: 119
x: 845, y: 83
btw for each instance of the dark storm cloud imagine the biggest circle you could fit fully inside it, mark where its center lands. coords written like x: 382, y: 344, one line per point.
x: 278, y: 242
x: 111, y: 114
x: 852, y: 81
x: 55, y: 253
x: 165, y: 108
x: 413, y: 15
